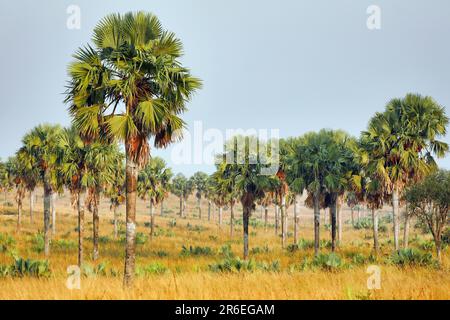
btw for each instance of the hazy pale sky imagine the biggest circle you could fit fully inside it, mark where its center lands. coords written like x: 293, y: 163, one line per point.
x: 291, y: 65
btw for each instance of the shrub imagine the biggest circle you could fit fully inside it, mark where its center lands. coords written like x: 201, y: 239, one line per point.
x: 446, y: 237
x: 328, y: 262
x: 153, y: 268
x: 38, y: 243
x: 233, y: 265
x: 141, y: 238
x: 259, y: 250
x: 195, y: 228
x: 101, y: 269
x: 226, y: 251
x: 195, y: 251
x: 273, y: 266
x: 411, y: 257
x: 64, y: 244
x: 172, y: 223
x: 162, y: 254
x: 27, y: 267
x: 7, y: 243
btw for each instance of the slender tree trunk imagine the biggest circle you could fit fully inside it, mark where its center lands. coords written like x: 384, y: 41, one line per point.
x: 199, y: 208
x: 296, y: 219
x: 162, y: 208
x: 152, y: 220
x: 47, y: 199
x: 130, y: 252
x: 95, y: 228
x: 116, y: 221
x: 220, y: 215
x: 340, y: 222
x: 438, y: 244
x: 181, y: 206
x: 333, y: 211
x: 31, y: 205
x: 353, y: 215
x: 246, y: 218
x: 209, y: 210
x: 261, y: 212
x: 53, y: 208
x: 406, y: 230
x: 19, y: 216
x: 231, y: 219
x: 277, y: 208
x: 80, y: 208
x: 283, y: 221
x: 376, y: 246
x: 395, y: 215
x: 316, y: 225
x: 266, y: 217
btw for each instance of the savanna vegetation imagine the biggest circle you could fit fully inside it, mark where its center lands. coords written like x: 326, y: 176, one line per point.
x: 301, y: 217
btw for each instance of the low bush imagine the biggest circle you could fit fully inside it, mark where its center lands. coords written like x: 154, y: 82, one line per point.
x: 26, y: 267
x: 195, y: 251
x: 151, y: 269
x: 411, y: 257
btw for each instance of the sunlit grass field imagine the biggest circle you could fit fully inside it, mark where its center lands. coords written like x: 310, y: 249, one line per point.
x: 165, y: 271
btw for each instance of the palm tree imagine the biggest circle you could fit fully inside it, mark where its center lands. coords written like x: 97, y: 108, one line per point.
x: 101, y: 163
x: 200, y: 179
x: 115, y: 192
x: 130, y: 85
x: 16, y: 173
x: 179, y: 188
x: 245, y: 161
x: 150, y: 185
x: 42, y: 148
x: 401, y: 142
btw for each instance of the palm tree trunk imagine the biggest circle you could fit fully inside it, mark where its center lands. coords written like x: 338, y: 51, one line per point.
x: 283, y: 221
x: 199, y: 208
x: 31, y: 205
x: 266, y: 217
x: 316, y: 224
x: 130, y: 252
x: 438, y: 244
x: 276, y: 218
x: 333, y: 210
x: 231, y: 219
x: 209, y: 210
x: 19, y: 215
x: 80, y: 208
x: 220, y: 215
x: 376, y: 246
x: 296, y: 219
x: 395, y: 216
x: 246, y: 218
x: 181, y: 206
x: 47, y: 199
x: 116, y: 221
x: 152, y: 220
x: 53, y: 208
x: 95, y: 227
x: 406, y: 230
x: 340, y: 222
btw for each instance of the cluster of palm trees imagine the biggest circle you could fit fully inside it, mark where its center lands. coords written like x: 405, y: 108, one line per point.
x: 129, y: 86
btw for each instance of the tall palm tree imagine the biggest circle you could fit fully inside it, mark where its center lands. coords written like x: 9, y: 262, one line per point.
x: 402, y: 142
x: 200, y: 180
x: 179, y: 187
x: 101, y: 163
x: 17, y: 174
x: 42, y: 148
x: 245, y: 161
x: 130, y: 85
x: 115, y: 191
x: 150, y: 185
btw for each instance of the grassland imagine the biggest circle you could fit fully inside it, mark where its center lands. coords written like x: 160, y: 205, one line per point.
x: 166, y: 271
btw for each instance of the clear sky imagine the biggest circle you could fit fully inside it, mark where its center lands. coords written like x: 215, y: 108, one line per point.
x: 291, y: 65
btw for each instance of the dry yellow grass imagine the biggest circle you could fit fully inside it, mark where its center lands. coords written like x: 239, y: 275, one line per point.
x: 190, y: 278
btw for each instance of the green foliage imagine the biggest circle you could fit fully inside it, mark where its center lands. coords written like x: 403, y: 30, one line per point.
x: 154, y: 268
x: 236, y: 265
x: 7, y: 243
x: 196, y: 251
x: 26, y: 267
x: 195, y: 228
x: 446, y: 237
x: 328, y: 261
x: 259, y: 250
x: 411, y: 257
x: 101, y: 269
x: 64, y: 244
x: 172, y: 223
x: 38, y: 242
